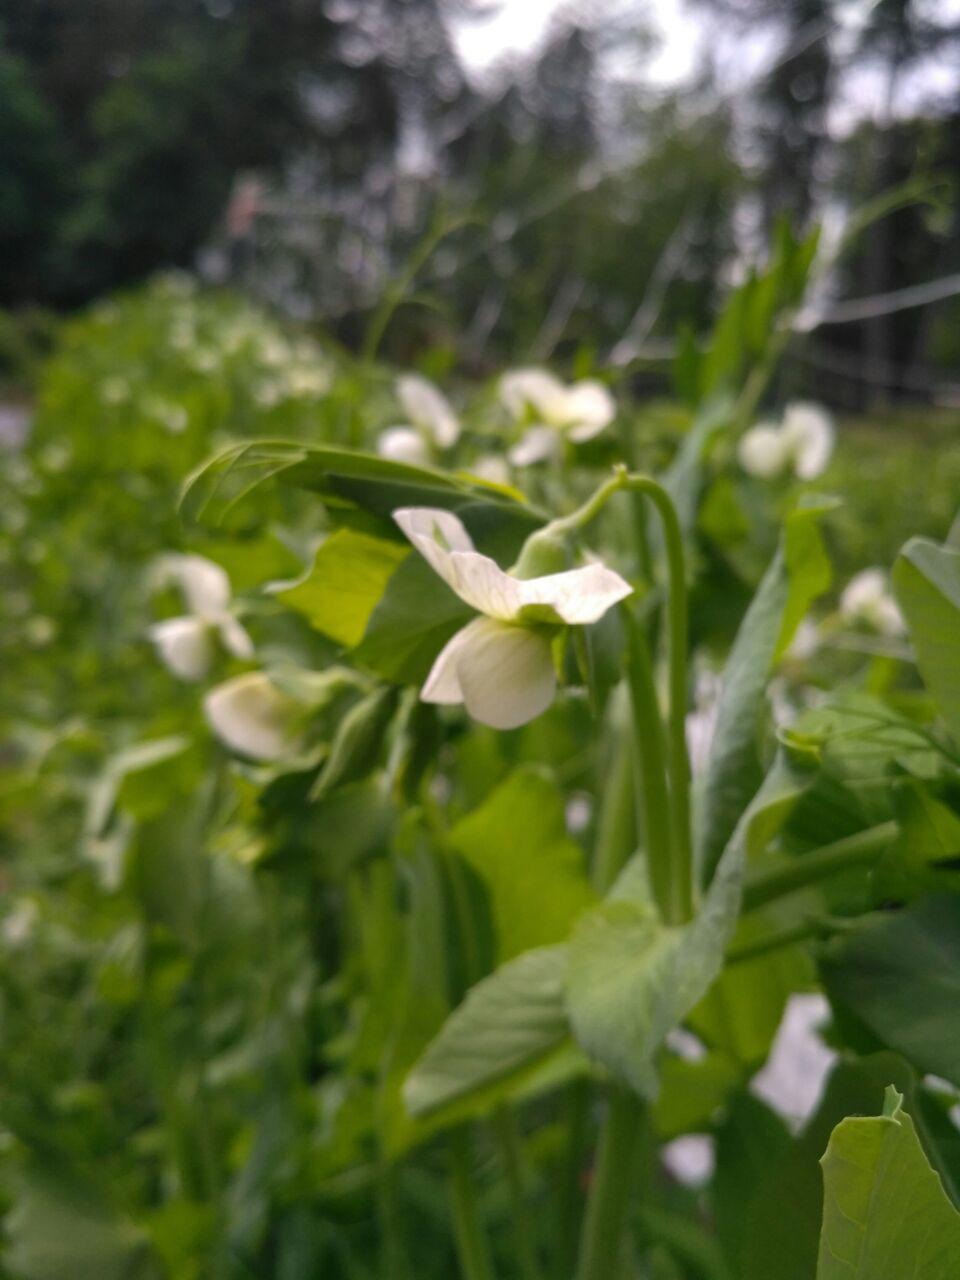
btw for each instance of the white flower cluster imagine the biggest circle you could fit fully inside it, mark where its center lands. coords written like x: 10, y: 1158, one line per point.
x: 553, y: 412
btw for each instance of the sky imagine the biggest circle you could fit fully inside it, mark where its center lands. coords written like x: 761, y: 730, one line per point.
x: 511, y: 29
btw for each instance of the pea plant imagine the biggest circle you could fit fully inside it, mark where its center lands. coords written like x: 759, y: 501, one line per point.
x: 492, y: 796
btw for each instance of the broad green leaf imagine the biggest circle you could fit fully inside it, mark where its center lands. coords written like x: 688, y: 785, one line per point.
x: 632, y: 977
x: 926, y: 579
x: 899, y: 974
x: 349, y: 575
x: 507, y: 1027
x: 57, y: 1229
x: 885, y: 1213
x: 343, y: 478
x: 517, y: 842
x: 769, y: 1194
x: 799, y: 572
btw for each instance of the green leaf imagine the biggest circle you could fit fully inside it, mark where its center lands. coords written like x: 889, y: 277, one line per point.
x: 57, y: 1229
x: 899, y: 974
x: 343, y: 478
x: 517, y: 842
x: 632, y: 977
x: 926, y: 580
x: 349, y: 575
x: 507, y: 1027
x: 799, y: 572
x: 885, y: 1213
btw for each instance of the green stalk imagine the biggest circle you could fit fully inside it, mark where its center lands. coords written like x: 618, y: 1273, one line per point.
x: 773, y: 942
x: 601, y: 1242
x: 652, y: 797
x: 617, y: 820
x: 392, y: 1253
x: 472, y: 1251
x: 681, y: 896
x: 508, y: 1141
x: 799, y: 872
x: 569, y: 1200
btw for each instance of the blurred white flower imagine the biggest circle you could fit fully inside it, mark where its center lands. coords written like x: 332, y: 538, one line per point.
x: 172, y: 417
x: 796, y: 1070
x: 428, y: 409
x: 500, y: 665
x: 492, y: 467
x: 866, y: 598
x: 403, y: 444
x: 805, y: 642
x: 307, y: 380
x: 249, y: 714
x: 578, y: 412
x: 187, y: 645
x: 115, y: 390
x: 802, y: 443
x: 702, y: 720
x: 690, y: 1159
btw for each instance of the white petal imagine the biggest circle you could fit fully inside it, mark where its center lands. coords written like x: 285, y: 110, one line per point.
x: 234, y: 636
x: 250, y: 715
x: 590, y: 408
x: 443, y: 683
x: 403, y: 444
x: 476, y: 579
x: 185, y: 646
x: 866, y: 597
x: 505, y: 673
x: 763, y: 451
x: 429, y: 409
x: 577, y: 597
x: 492, y: 467
x: 537, y: 444
x: 204, y: 585
x: 524, y: 389
x: 809, y: 432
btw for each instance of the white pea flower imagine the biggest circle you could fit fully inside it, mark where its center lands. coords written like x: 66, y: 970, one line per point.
x: 500, y: 665
x: 403, y: 444
x: 866, y: 598
x: 578, y: 412
x: 492, y: 467
x: 809, y: 431
x: 802, y: 443
x: 187, y: 645
x: 249, y: 714
x: 428, y: 410
x: 763, y: 451
x: 307, y: 380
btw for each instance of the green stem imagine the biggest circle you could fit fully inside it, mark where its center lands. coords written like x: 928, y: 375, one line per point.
x: 601, y: 1244
x: 681, y: 900
x: 809, y: 868
x: 508, y: 1141
x: 392, y: 1253
x: 653, y: 800
x: 617, y: 820
x: 773, y: 942
x: 472, y: 1251
x: 570, y: 1192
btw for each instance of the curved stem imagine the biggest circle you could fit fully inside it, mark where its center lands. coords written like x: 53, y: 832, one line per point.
x: 790, y: 874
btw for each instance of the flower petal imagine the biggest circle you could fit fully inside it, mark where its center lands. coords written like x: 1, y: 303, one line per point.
x: 577, y: 597
x: 808, y: 430
x: 763, y: 451
x: 234, y: 636
x: 204, y: 585
x: 537, y: 444
x: 476, y: 579
x: 429, y: 409
x: 524, y: 389
x: 442, y: 685
x: 185, y: 646
x: 250, y: 715
x: 590, y: 408
x: 505, y: 673
x: 403, y: 444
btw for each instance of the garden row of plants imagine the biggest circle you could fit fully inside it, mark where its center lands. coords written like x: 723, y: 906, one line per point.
x: 421, y: 806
